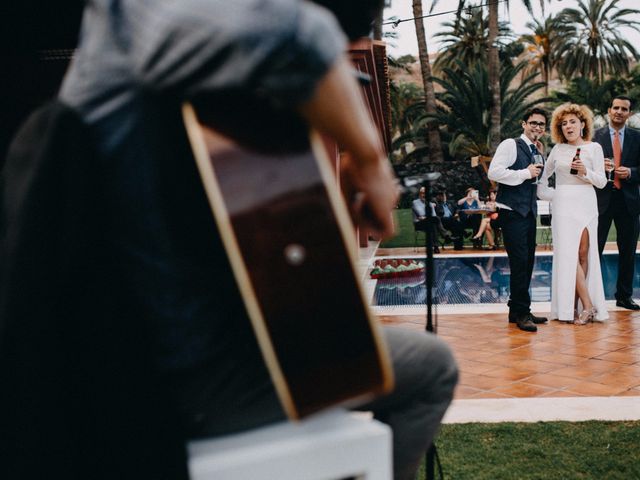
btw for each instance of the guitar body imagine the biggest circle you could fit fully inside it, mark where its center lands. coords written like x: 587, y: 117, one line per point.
x: 292, y: 249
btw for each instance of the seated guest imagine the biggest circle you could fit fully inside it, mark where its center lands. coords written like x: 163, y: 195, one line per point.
x: 488, y: 223
x: 470, y: 202
x: 430, y: 223
x: 446, y: 211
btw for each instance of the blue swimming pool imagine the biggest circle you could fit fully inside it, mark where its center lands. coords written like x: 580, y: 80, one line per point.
x: 473, y: 280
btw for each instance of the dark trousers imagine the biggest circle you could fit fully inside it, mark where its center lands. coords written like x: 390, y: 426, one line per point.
x: 428, y: 226
x: 471, y: 221
x: 519, y: 235
x: 453, y: 224
x: 221, y: 398
x: 456, y: 228
x: 628, y: 228
x: 433, y: 227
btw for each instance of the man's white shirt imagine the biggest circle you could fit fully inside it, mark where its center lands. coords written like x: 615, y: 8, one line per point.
x: 505, y: 156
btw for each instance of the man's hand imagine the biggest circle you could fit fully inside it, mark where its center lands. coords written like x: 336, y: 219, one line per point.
x: 540, y: 146
x: 374, y: 194
x: 608, y: 165
x: 534, y: 170
x: 337, y: 109
x: 623, y: 172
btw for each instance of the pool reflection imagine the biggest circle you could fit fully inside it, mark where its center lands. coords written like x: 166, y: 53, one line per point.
x: 474, y: 280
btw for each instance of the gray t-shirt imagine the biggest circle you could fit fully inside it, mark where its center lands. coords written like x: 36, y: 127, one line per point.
x: 137, y: 60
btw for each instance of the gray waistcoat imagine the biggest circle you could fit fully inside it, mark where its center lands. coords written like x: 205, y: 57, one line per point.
x: 521, y: 198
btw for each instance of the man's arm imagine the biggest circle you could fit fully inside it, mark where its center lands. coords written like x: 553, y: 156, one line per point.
x: 634, y: 135
x: 289, y: 52
x: 337, y: 109
x: 603, y: 137
x: 439, y: 209
x: 276, y: 49
x: 504, y: 157
x: 417, y: 210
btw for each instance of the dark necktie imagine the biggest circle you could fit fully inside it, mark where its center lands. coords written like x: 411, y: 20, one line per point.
x: 534, y: 150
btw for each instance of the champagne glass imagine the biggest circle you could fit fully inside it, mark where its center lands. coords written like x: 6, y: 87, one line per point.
x: 538, y: 160
x: 609, y: 168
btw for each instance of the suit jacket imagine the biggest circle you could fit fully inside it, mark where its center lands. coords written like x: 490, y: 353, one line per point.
x: 440, y: 209
x: 79, y: 394
x: 631, y: 159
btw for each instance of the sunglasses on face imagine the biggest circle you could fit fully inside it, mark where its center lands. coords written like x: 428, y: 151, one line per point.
x: 537, y: 124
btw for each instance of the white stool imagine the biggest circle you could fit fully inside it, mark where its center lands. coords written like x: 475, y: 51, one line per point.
x: 327, y: 446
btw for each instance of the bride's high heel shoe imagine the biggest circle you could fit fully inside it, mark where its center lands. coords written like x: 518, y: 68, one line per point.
x: 586, y: 316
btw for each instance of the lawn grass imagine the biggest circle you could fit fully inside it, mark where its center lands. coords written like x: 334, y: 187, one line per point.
x: 405, y: 234
x: 404, y: 237
x: 543, y: 450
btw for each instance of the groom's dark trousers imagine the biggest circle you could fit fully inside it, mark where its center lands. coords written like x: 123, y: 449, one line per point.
x: 519, y: 235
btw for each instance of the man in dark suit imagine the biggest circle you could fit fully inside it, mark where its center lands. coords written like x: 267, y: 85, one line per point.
x: 446, y: 211
x: 428, y: 223
x: 619, y: 201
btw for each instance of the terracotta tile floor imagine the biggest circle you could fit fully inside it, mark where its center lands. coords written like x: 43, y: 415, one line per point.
x: 497, y: 360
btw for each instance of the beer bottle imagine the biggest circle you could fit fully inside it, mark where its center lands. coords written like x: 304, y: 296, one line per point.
x: 576, y: 157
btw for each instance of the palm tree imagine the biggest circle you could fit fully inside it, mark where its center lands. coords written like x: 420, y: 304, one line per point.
x: 377, y: 25
x: 464, y: 111
x: 466, y: 39
x: 435, y: 145
x: 494, y: 65
x: 494, y: 77
x: 466, y: 105
x: 593, y: 43
x: 597, y: 96
x: 541, y: 47
x: 632, y: 86
x: 403, y: 95
x: 494, y: 71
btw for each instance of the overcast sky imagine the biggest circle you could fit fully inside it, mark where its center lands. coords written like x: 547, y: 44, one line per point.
x: 517, y: 14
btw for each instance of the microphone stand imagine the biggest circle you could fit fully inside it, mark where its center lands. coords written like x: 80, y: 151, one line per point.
x: 427, y: 180
x: 428, y: 273
x: 430, y: 327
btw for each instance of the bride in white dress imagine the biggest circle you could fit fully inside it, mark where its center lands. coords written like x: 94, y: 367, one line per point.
x: 577, y: 292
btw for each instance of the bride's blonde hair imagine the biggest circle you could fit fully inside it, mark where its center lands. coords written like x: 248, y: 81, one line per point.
x: 583, y: 113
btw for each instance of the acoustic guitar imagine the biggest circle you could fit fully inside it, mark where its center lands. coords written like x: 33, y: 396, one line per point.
x: 292, y: 249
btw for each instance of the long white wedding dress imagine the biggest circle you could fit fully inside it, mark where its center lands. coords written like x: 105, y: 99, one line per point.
x: 574, y: 208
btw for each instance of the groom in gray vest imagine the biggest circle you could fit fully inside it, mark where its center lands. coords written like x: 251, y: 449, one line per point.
x: 512, y: 169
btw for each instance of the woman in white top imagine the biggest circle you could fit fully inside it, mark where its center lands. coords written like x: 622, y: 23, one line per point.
x: 577, y: 293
